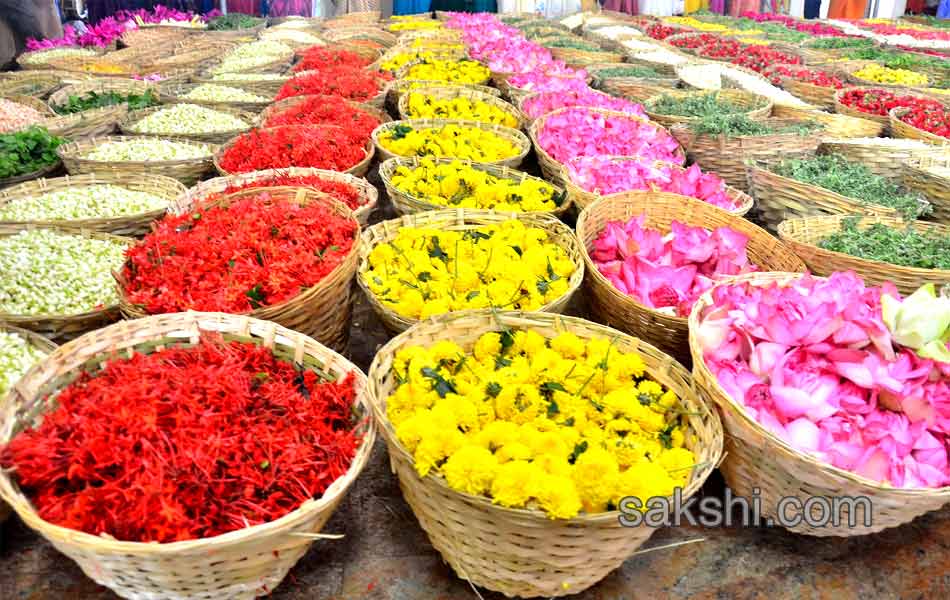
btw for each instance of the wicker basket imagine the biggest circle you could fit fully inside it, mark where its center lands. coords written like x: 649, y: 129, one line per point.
x: 175, y: 92
x: 753, y: 107
x: 462, y: 219
x: 902, y: 129
x: 758, y: 460
x: 187, y: 171
x: 727, y: 156
x: 41, y: 172
x: 553, y: 171
x: 399, y: 87
x: 621, y: 85
x: 570, y: 99
x: 128, y: 125
x: 34, y: 103
x: 368, y: 195
x: 515, y: 94
x: 41, y: 66
x: 359, y: 169
x: 126, y: 225
x: 611, y: 306
x: 282, y: 105
x: 518, y: 139
x: 843, y: 109
x: 38, y: 84
x: 377, y: 101
x: 240, y: 564
x: 449, y: 93
x: 575, y: 57
x: 817, y: 95
x: 98, y: 67
x: 886, y: 160
x: 779, y: 198
x: 524, y: 553
x: 804, y: 235
x: 850, y: 69
x: 581, y: 198
x: 61, y: 328
x: 196, y: 59
x: 322, y: 311
x: 836, y: 125
x: 406, y: 204
x: 98, y: 121
x: 922, y: 177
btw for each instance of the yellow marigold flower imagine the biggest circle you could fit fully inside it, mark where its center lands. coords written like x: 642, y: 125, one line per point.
x: 424, y: 106
x: 456, y: 71
x: 496, y: 434
x: 568, y: 345
x: 488, y: 346
x: 595, y: 476
x: 554, y: 465
x: 534, y: 343
x: 519, y: 404
x: 678, y: 463
x: 650, y: 388
x: 513, y: 480
x: 645, y: 480
x: 471, y: 470
x: 558, y: 496
x: 513, y: 451
x: 463, y: 412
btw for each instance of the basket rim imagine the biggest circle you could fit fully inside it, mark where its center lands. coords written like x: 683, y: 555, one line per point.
x: 132, y: 117
x: 452, y: 92
x: 199, y: 322
x: 896, y: 114
x: 559, y: 320
x: 275, y: 108
x: 70, y: 151
x: 465, y: 217
x: 32, y: 338
x: 761, y: 106
x: 168, y: 93
x: 736, y: 409
x: 518, y: 139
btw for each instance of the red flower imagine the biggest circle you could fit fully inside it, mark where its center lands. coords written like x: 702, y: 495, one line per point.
x: 934, y: 118
x: 338, y: 81
x: 318, y: 146
x: 339, y: 190
x: 804, y: 74
x: 318, y: 58
x: 326, y: 110
x: 880, y: 101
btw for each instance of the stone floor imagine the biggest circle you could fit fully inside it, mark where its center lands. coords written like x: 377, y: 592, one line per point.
x: 384, y: 554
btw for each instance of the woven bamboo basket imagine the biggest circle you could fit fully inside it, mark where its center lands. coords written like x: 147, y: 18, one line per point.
x: 126, y: 225
x: 754, y: 107
x: 151, y: 37
x: 553, y: 171
x: 844, y: 109
x: 399, y: 87
x: 664, y: 69
x: 902, y: 129
x: 298, y: 39
x: 522, y: 552
x: 620, y: 85
x: 240, y: 564
x: 38, y: 84
x: 322, y: 311
x: 278, y: 64
x: 359, y: 169
x: 98, y: 121
x: 282, y: 105
x: 186, y: 171
x: 817, y: 95
x: 573, y: 56
x: 727, y: 156
x: 611, y: 306
x: 61, y: 328
x: 449, y: 93
x: 197, y: 59
x: 377, y: 101
x: 581, y: 198
x: 31, y: 102
x: 405, y: 72
x: 338, y: 34
x: 758, y: 460
x: 129, y: 125
x: 97, y: 67
x: 779, y: 198
x: 268, y: 88
x: 515, y: 94
x: 177, y: 92
x: 850, y: 69
x: 518, y: 139
x: 931, y: 177
x: 368, y: 195
x: 804, y: 235
x: 22, y: 59
x: 835, y: 125
x: 462, y: 219
x: 407, y: 204
x: 887, y: 160
x: 569, y: 99
x: 228, y: 34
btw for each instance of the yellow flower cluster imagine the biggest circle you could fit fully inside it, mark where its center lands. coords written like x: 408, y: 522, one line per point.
x: 451, y: 141
x: 458, y: 71
x: 459, y: 184
x: 437, y: 43
x: 695, y: 24
x: 754, y: 41
x: 415, y: 25
x: 881, y: 74
x: 425, y: 272
x: 422, y: 106
x: 397, y: 60
x: 561, y: 425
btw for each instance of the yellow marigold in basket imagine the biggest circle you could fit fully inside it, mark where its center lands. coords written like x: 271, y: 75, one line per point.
x: 415, y: 25
x: 458, y: 71
x: 422, y: 106
x: 696, y: 24
x: 398, y: 60
x: 459, y: 184
x: 562, y: 425
x: 437, y: 43
x: 880, y: 74
x: 425, y: 272
x: 451, y: 141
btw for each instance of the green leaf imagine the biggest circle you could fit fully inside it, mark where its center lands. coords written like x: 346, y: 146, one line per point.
x: 425, y: 276
x: 493, y: 389
x: 553, y: 409
x: 256, y: 296
x: 437, y: 252
x: 475, y: 235
x: 400, y: 131
x: 441, y: 385
x: 578, y: 450
x: 501, y: 362
x: 471, y: 295
x: 550, y: 387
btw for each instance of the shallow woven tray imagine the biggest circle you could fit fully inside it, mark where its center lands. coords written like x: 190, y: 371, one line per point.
x: 31, y: 102
x: 936, y: 187
x: 852, y: 66
x: 820, y: 96
x: 126, y: 225
x: 521, y: 552
x: 127, y: 125
x: 883, y: 160
x: 187, y: 171
x: 359, y: 169
x: 901, y: 129
x: 448, y: 93
x: 239, y: 564
x: 98, y: 121
x: 844, y: 109
x: 611, y: 306
x: 38, y: 84
x: 175, y: 92
x: 264, y: 88
x: 367, y: 191
x: 61, y: 328
x: 755, y: 107
x: 282, y: 105
x: 464, y: 219
x: 41, y: 66
x: 322, y: 311
x: 836, y: 125
x: 582, y: 198
x: 377, y: 101
x: 520, y: 141
x: 575, y: 57
x: 758, y: 460
x: 779, y: 198
x: 803, y: 236
x: 525, y: 99
x: 41, y: 172
x: 407, y: 204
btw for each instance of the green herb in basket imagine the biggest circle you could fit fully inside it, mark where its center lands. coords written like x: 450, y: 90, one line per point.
x: 91, y: 100
x: 695, y: 105
x: 631, y: 71
x: 232, y: 21
x: 738, y: 124
x: 905, y: 247
x: 854, y: 180
x: 27, y: 151
x: 834, y: 43
x: 893, y: 59
x: 572, y: 44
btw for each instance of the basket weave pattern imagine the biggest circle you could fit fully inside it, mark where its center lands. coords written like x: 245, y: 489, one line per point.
x: 518, y: 139
x: 187, y: 171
